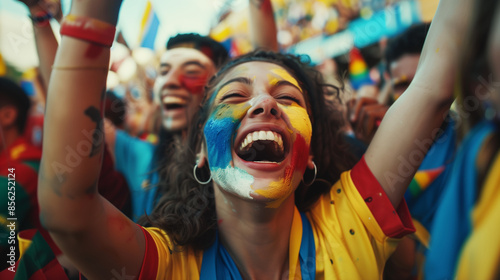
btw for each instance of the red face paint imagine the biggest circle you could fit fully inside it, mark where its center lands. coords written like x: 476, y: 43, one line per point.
x: 299, y: 158
x: 196, y: 84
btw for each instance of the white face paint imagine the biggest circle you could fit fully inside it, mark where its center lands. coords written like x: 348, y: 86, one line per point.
x: 234, y: 180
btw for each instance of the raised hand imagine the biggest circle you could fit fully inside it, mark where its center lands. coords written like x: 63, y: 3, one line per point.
x: 365, y: 115
x: 31, y: 3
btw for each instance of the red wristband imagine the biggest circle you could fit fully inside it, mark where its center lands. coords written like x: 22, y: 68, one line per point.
x: 88, y: 29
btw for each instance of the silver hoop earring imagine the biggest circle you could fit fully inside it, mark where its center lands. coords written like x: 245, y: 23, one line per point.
x: 198, y: 180
x: 314, y: 178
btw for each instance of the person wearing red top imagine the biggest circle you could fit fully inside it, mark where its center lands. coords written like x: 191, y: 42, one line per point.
x: 19, y: 161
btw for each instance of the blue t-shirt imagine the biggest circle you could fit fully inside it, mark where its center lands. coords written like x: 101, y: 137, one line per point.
x: 437, y: 162
x: 453, y: 220
x: 135, y: 160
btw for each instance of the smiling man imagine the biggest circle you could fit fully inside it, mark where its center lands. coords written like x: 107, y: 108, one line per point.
x: 190, y: 60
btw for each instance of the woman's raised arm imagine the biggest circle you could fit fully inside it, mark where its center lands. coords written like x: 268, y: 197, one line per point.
x: 96, y: 236
x: 263, y: 30
x: 409, y: 127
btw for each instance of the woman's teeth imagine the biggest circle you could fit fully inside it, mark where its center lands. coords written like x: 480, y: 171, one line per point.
x: 262, y: 135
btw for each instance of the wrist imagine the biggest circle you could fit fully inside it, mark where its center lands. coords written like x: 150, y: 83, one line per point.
x: 106, y: 11
x: 88, y: 29
x: 40, y: 17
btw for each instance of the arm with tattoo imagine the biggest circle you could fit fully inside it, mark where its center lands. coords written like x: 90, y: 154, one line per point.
x: 80, y: 221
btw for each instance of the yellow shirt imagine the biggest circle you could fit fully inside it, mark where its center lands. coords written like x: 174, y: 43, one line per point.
x: 480, y: 257
x: 355, y: 230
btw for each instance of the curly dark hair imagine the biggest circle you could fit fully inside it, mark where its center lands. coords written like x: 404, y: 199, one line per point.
x: 211, y: 48
x: 186, y: 212
x: 13, y: 94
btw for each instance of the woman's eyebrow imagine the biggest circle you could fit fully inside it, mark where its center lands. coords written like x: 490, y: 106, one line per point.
x: 242, y: 80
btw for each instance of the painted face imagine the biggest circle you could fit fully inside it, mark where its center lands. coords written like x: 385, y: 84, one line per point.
x: 258, y: 133
x: 402, y: 71
x: 178, y: 89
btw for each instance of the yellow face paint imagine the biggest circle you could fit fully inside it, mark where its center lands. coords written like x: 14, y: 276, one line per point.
x: 283, y: 188
x: 299, y: 119
x: 283, y: 74
x: 280, y: 190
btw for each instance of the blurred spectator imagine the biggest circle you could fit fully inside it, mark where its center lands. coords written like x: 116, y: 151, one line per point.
x: 19, y: 162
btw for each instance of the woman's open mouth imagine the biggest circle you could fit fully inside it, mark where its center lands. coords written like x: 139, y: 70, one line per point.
x: 262, y: 146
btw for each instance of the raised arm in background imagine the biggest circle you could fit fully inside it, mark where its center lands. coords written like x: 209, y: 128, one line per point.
x: 263, y: 31
x: 46, y: 43
x: 410, y: 125
x: 97, y: 237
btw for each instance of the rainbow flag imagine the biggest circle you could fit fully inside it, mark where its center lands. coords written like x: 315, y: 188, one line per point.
x: 358, y: 70
x: 149, y: 27
x: 422, y: 179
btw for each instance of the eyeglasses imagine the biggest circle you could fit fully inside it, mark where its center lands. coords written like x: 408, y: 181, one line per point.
x: 331, y: 91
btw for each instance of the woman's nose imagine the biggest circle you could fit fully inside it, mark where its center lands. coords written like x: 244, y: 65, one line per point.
x: 265, y: 106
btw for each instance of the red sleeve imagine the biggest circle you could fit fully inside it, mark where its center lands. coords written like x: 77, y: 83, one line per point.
x: 149, y: 267
x: 394, y: 223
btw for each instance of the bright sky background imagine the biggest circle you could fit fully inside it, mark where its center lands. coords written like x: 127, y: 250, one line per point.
x: 175, y: 16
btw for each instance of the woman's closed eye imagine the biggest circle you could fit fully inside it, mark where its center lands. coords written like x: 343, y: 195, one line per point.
x: 288, y: 99
x: 232, y: 96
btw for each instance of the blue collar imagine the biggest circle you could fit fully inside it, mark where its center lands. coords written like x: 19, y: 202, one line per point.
x: 218, y: 264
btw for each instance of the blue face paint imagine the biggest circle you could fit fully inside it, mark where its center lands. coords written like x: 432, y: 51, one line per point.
x: 219, y: 131
x: 219, y: 134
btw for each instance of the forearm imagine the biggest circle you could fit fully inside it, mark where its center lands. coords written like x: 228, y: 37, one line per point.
x: 262, y: 25
x: 95, y: 235
x: 73, y: 136
x: 46, y: 46
x: 441, y: 54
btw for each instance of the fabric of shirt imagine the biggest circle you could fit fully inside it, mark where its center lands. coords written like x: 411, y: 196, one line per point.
x: 135, y: 160
x: 480, y: 257
x: 23, y: 159
x: 452, y: 222
x: 355, y: 229
x: 36, y: 259
x: 439, y: 158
